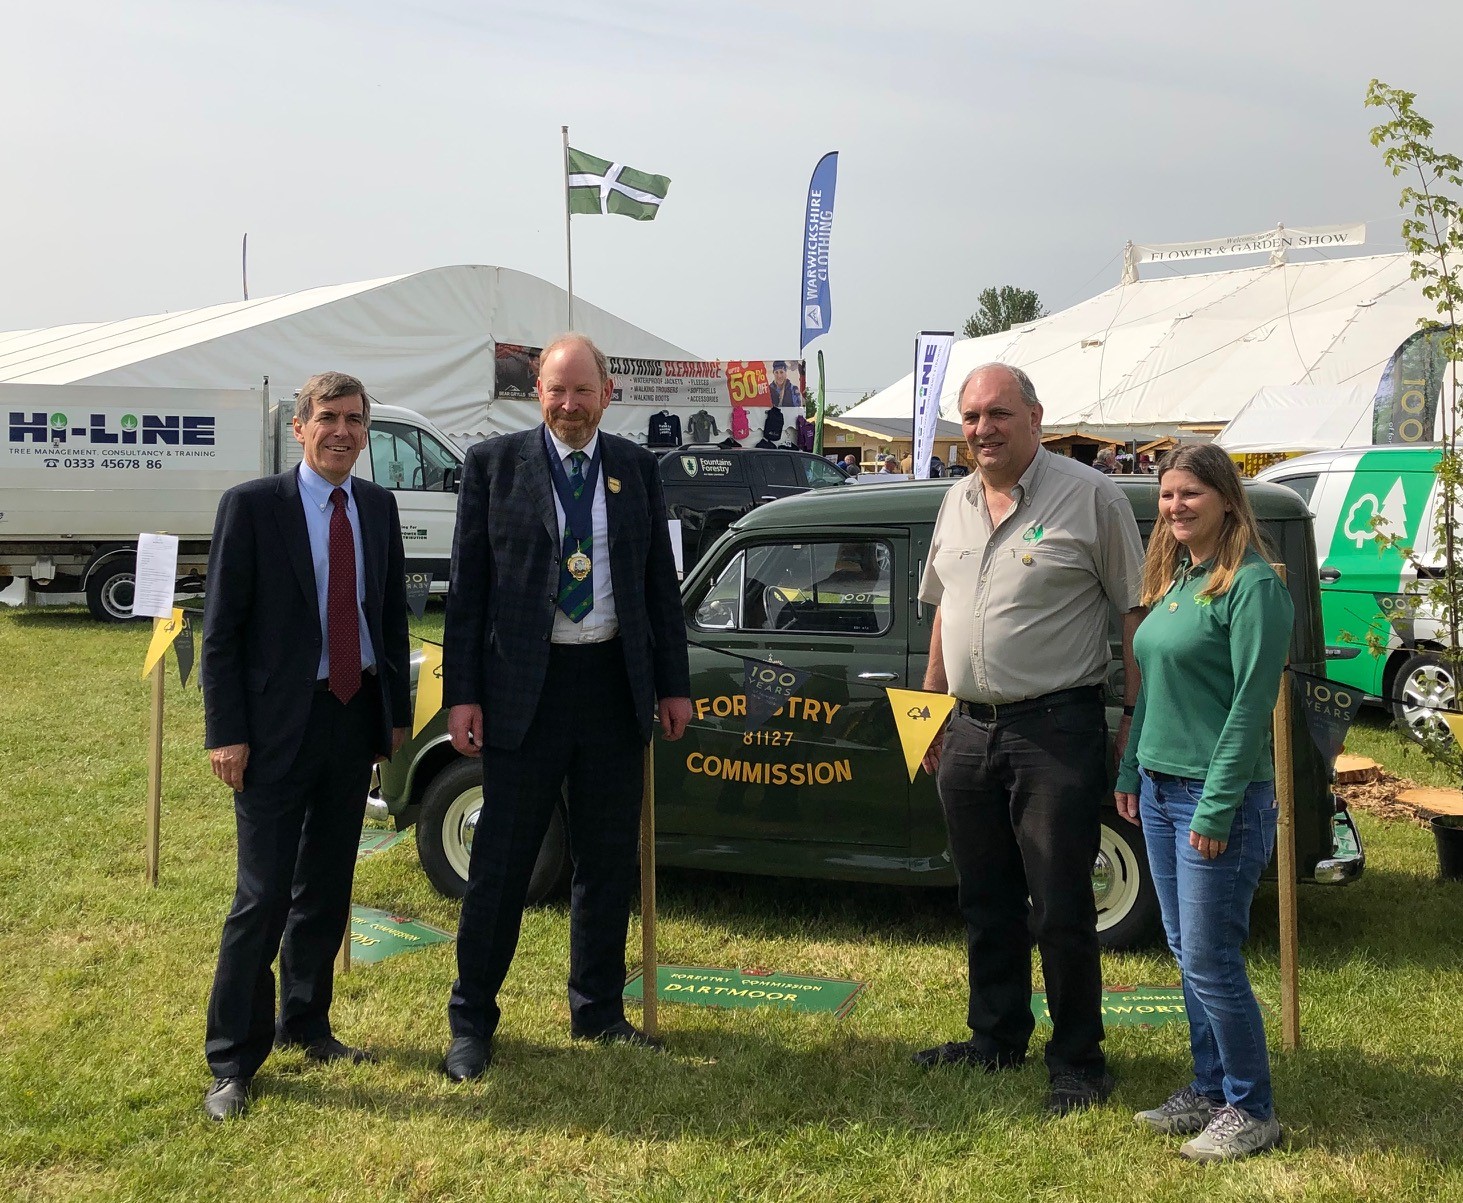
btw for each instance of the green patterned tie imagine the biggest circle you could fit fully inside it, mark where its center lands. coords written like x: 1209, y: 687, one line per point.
x: 576, y: 597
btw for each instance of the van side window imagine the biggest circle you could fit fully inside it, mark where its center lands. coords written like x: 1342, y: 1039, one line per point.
x: 820, y: 472
x: 833, y: 588
x: 1304, y: 485
x: 779, y: 469
x: 403, y: 457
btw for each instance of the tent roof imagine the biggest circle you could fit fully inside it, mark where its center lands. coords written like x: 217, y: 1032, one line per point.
x: 1302, y: 418
x: 424, y: 340
x: 1148, y: 356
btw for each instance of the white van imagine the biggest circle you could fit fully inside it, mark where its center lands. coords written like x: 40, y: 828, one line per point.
x: 85, y: 468
x: 1389, y: 651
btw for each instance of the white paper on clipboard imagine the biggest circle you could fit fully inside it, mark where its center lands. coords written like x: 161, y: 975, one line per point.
x: 157, y: 573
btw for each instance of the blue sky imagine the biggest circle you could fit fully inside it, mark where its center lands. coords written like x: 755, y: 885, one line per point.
x: 353, y: 140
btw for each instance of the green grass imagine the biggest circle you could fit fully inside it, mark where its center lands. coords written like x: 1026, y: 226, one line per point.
x: 103, y: 984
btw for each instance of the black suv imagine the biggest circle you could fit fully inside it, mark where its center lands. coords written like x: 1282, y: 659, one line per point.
x: 708, y: 487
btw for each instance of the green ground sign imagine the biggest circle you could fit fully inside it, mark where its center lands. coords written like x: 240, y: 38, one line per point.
x: 376, y: 935
x: 1130, y: 1006
x: 377, y: 839
x: 731, y: 988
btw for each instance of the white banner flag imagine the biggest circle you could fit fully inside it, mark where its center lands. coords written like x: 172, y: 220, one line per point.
x: 931, y: 356
x: 1280, y: 239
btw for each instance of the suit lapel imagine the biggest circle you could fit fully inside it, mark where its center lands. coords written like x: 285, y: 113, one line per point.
x: 611, y: 468
x: 371, y: 522
x: 289, y: 512
x: 539, y: 484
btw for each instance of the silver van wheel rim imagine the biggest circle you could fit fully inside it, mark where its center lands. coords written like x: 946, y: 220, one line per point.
x: 1427, y: 689
x: 459, y: 825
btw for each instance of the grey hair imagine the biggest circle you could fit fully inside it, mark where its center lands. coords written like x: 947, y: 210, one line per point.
x: 1023, y: 381
x: 327, y: 386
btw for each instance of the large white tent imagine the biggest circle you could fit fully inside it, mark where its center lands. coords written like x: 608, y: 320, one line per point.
x: 1303, y: 417
x: 425, y: 340
x: 1146, y: 358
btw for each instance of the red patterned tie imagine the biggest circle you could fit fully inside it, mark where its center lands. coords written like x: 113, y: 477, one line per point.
x: 342, y: 626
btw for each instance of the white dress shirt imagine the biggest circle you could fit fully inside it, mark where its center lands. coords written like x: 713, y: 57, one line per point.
x: 601, y: 623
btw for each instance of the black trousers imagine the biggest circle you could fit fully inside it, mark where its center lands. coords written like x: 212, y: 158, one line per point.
x: 297, y: 856
x: 1021, y: 798
x: 584, y: 733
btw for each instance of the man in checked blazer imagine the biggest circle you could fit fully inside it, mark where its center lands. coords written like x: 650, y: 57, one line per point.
x: 564, y: 629
x: 305, y: 683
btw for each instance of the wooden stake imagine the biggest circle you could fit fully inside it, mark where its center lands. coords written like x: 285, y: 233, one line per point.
x: 155, y: 774
x: 649, y: 965
x: 343, y: 957
x: 1285, y: 865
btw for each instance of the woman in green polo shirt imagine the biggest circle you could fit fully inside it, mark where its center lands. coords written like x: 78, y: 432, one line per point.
x: 1198, y: 772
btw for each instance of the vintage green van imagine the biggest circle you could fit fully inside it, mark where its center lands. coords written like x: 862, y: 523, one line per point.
x: 827, y: 582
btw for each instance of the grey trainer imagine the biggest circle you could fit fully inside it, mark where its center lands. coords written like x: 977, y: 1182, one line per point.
x: 1183, y: 1111
x: 1231, y: 1134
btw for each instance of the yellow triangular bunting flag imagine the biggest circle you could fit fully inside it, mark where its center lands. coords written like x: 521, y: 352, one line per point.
x: 429, y: 687
x: 164, y: 631
x: 1455, y: 725
x: 919, y: 717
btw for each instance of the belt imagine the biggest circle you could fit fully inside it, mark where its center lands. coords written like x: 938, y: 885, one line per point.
x: 989, y: 712
x: 322, y: 684
x: 1168, y: 777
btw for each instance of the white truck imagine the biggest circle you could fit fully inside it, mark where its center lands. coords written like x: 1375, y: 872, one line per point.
x: 85, y: 468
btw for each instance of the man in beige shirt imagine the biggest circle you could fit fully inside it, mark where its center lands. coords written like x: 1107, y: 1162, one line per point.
x: 1028, y: 557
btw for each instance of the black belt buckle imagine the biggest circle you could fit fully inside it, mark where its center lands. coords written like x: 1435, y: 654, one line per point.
x: 981, y: 712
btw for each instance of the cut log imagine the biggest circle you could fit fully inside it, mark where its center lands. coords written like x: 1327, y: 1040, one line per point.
x: 1350, y: 770
x: 1433, y: 801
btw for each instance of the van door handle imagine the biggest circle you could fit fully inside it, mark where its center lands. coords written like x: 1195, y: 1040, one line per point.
x: 1330, y: 574
x: 878, y: 676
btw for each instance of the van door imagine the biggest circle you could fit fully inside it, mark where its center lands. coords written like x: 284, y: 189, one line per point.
x: 424, y: 475
x: 827, y: 769
x: 1389, y: 492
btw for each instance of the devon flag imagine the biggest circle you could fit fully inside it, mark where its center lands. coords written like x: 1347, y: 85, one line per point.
x: 599, y: 186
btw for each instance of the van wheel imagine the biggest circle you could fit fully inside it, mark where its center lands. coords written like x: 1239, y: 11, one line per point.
x: 448, y: 820
x: 109, y: 590
x: 1127, y: 906
x: 1425, y: 684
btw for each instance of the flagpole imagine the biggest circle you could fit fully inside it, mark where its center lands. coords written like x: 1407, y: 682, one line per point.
x: 568, y: 242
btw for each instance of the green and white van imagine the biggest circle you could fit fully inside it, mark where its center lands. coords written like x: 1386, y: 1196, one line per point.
x: 1355, y: 495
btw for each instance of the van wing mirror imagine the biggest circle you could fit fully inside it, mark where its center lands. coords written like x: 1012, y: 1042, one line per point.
x: 451, y: 479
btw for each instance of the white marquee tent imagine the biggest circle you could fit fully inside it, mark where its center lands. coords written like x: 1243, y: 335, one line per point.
x: 1143, y: 359
x: 1303, y: 417
x: 425, y: 340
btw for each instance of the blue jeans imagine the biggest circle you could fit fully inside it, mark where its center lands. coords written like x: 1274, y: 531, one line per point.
x: 1206, y: 916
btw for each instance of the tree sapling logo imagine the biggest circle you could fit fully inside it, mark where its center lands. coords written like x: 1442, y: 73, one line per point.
x: 688, y: 462
x: 58, y: 421
x: 128, y: 422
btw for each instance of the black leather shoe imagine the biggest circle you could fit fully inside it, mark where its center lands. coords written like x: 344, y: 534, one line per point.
x: 965, y: 1052
x: 328, y: 1048
x: 227, y: 1098
x: 622, y: 1032
x: 1076, y: 1092
x: 467, y: 1058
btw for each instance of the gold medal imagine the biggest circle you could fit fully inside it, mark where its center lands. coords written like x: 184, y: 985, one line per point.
x: 579, y: 565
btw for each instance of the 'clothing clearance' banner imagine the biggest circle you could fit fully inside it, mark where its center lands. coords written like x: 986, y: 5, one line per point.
x: 931, y: 357
x: 672, y: 383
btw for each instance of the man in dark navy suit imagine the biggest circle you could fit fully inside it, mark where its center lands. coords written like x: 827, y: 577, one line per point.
x: 564, y: 629
x: 305, y: 685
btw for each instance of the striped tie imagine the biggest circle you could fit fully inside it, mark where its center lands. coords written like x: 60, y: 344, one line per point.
x: 576, y: 598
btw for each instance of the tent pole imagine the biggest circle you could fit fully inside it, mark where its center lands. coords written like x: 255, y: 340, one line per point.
x: 568, y: 244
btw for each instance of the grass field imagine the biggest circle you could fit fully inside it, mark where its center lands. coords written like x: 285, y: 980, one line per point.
x: 103, y: 984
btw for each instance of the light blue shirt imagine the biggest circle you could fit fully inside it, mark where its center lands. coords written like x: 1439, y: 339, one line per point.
x: 315, y: 493
x: 601, y: 622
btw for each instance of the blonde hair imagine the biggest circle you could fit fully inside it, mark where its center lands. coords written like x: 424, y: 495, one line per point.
x: 1239, y: 534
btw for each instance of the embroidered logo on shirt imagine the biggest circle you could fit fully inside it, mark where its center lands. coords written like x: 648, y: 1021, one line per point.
x: 1035, y: 533
x: 1201, y: 599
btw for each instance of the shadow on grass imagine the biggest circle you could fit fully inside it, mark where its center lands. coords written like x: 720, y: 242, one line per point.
x: 726, y: 1084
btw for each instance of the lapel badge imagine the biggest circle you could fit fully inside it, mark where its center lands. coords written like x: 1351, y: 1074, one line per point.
x: 612, y: 484
x: 1027, y: 560
x: 1173, y: 607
